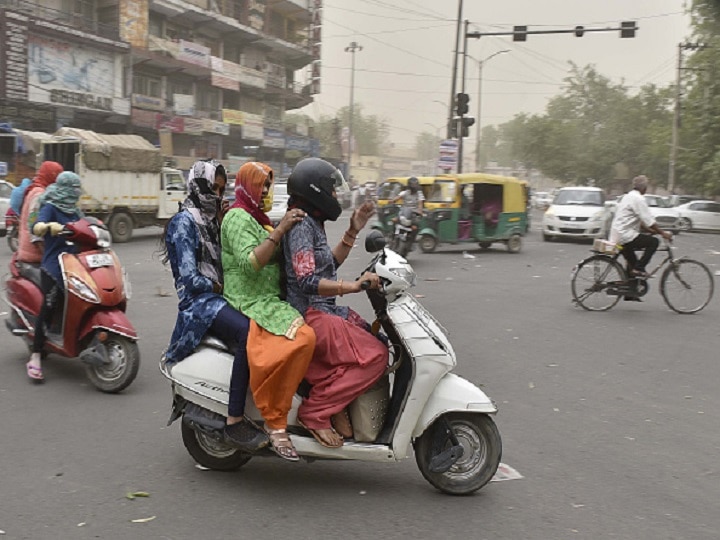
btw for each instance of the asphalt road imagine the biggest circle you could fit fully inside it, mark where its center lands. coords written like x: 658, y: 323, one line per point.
x: 611, y: 419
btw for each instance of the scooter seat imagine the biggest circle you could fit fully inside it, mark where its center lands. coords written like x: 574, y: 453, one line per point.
x: 30, y: 272
x: 212, y: 341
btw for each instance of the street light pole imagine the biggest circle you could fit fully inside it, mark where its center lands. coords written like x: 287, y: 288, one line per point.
x: 481, y: 63
x: 352, y: 49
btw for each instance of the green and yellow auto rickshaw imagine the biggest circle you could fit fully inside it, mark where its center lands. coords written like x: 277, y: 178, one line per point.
x: 475, y: 208
x: 387, y: 209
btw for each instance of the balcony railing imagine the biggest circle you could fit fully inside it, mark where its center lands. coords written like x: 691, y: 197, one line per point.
x: 75, y: 21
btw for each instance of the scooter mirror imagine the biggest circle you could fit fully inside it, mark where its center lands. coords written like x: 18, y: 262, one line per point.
x: 374, y: 241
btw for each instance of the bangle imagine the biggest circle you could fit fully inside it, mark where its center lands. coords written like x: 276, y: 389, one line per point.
x: 350, y: 235
x: 340, y: 289
x: 348, y: 244
x: 273, y: 240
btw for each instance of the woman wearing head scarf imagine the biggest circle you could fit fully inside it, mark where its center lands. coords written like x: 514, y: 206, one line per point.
x: 348, y: 358
x: 18, y: 194
x: 58, y: 206
x: 29, y: 246
x: 192, y: 246
x: 280, y: 344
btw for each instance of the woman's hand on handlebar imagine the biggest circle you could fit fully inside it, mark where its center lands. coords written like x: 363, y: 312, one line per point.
x: 368, y: 277
x: 290, y: 219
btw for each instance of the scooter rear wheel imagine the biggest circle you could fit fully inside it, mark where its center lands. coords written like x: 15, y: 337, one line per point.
x: 122, y: 369
x: 482, y: 450
x: 210, y: 452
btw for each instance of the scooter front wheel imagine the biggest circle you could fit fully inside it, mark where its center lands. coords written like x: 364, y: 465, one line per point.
x: 122, y: 368
x: 210, y: 452
x: 481, y: 452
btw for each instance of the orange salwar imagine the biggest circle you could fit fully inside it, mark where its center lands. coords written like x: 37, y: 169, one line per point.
x: 277, y: 366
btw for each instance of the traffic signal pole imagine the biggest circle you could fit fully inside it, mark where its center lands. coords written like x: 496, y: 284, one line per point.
x: 461, y: 122
x: 453, y: 85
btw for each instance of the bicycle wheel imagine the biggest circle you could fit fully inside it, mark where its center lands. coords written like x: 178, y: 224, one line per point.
x: 687, y: 286
x: 591, y: 280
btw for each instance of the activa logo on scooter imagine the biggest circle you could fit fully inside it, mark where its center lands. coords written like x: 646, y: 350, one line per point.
x: 445, y: 418
x: 91, y: 324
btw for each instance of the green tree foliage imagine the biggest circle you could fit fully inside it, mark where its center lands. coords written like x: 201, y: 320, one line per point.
x: 698, y: 168
x: 592, y: 130
x: 427, y: 146
x: 369, y: 131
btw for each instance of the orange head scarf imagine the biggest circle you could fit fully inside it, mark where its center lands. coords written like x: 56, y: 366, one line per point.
x: 46, y: 175
x: 249, y: 182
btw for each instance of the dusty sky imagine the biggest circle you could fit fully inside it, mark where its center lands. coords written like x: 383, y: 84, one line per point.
x: 406, y: 61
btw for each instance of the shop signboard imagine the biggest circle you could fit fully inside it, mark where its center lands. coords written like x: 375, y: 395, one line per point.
x: 147, y: 102
x: 226, y: 83
x: 134, y: 17
x: 274, y: 138
x: 184, y: 104
x: 144, y: 119
x: 194, y: 126
x: 13, y: 55
x: 173, y: 124
x: 194, y: 53
x: 253, y: 127
x: 296, y: 142
x: 232, y: 117
x: 212, y: 126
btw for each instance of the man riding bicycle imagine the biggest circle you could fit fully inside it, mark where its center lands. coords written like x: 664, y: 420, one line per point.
x: 631, y: 216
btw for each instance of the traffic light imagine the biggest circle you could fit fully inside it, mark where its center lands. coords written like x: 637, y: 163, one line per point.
x: 579, y: 31
x: 627, y: 29
x: 461, y: 104
x: 467, y: 121
x: 519, y: 33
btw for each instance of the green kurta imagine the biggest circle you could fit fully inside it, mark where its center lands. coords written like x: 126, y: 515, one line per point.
x: 254, y: 292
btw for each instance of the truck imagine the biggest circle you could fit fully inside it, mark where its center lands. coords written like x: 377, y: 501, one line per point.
x: 125, y: 181
x: 19, y: 151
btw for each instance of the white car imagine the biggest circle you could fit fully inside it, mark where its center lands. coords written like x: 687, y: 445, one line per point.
x: 699, y: 216
x: 542, y: 199
x: 280, y: 199
x: 577, y: 212
x: 666, y: 217
x: 5, y: 190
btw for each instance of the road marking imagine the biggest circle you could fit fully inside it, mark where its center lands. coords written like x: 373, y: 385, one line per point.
x: 506, y: 472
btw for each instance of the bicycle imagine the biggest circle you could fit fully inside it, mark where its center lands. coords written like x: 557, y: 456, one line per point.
x: 599, y: 281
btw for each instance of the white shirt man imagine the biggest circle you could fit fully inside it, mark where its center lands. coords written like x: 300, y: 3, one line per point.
x: 631, y: 215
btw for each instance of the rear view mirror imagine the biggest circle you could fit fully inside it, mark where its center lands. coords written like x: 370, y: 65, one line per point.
x: 374, y: 241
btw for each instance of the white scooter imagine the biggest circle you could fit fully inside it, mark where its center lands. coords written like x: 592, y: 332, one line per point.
x: 446, y: 418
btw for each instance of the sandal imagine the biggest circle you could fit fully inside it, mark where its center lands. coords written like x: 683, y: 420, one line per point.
x: 319, y: 439
x: 282, y: 445
x: 35, y: 373
x: 341, y: 423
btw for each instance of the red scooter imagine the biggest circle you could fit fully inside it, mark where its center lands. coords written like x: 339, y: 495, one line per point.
x: 92, y: 324
x: 11, y: 228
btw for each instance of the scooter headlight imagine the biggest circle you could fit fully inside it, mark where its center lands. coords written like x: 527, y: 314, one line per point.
x: 405, y: 221
x: 78, y: 287
x: 405, y: 273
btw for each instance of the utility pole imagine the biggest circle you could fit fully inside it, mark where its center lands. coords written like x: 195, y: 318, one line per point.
x: 462, y: 86
x: 676, y: 123
x: 481, y: 63
x: 454, y: 70
x: 352, y: 49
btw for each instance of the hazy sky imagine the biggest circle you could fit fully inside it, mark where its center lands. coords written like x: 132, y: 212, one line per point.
x: 406, y: 61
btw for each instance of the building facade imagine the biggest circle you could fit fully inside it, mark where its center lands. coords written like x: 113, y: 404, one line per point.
x: 199, y: 78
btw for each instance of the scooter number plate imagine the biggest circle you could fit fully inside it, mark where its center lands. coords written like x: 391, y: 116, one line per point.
x: 99, y: 259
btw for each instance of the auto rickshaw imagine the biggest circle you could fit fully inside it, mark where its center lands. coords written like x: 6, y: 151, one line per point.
x: 386, y: 208
x: 475, y: 207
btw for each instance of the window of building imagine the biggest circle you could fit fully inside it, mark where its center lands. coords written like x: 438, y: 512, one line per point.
x: 147, y: 85
x: 178, y: 86
x: 231, y: 100
x: 208, y: 99
x: 155, y: 25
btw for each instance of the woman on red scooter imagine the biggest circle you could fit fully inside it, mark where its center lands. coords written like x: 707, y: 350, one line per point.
x: 58, y: 206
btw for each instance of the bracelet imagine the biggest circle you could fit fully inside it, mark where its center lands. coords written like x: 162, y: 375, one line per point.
x: 273, y: 240
x: 340, y: 289
x: 350, y: 235
x: 347, y: 243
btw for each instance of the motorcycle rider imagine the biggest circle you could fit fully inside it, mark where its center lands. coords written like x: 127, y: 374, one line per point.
x: 348, y: 358
x: 412, y: 197
x: 58, y: 206
x: 30, y: 246
x: 192, y: 246
x: 18, y: 194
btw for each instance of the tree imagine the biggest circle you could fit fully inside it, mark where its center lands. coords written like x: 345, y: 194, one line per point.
x: 427, y: 146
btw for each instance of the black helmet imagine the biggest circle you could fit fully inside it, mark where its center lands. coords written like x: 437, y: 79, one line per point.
x: 313, y: 180
x: 413, y: 184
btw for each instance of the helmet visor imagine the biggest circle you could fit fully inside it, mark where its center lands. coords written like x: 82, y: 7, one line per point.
x: 338, y: 179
